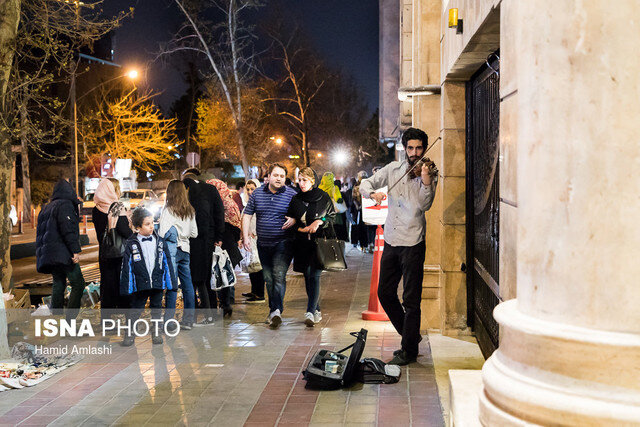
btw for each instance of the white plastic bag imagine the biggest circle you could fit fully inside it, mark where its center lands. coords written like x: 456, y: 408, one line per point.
x: 340, y: 207
x: 250, y: 260
x: 222, y: 272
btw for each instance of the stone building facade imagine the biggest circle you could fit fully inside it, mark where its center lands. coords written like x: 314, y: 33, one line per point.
x: 564, y: 158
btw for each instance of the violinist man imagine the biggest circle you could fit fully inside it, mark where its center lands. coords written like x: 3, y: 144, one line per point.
x: 404, y: 229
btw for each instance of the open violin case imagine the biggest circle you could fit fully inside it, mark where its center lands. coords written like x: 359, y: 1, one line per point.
x: 329, y: 370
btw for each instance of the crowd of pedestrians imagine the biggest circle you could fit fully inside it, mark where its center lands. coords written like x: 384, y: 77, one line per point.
x: 142, y: 262
x: 274, y: 217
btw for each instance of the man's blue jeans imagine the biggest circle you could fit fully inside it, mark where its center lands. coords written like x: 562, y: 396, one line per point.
x: 275, y: 262
x: 183, y: 272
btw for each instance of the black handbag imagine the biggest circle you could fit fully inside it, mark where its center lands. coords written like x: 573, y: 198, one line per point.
x: 112, y: 245
x: 330, y: 253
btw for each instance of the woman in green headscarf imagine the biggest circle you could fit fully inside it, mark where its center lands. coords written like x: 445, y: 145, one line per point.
x: 327, y: 184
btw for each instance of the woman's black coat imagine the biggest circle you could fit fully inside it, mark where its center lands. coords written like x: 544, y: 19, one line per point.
x: 313, y: 204
x: 201, y: 247
x: 58, y: 233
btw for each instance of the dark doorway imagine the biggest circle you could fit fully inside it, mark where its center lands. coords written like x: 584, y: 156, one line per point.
x: 483, y: 201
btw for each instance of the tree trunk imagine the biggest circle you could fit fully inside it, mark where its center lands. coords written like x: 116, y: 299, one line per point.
x: 305, y: 149
x: 190, y: 120
x: 9, y: 19
x: 26, y: 177
x: 243, y: 154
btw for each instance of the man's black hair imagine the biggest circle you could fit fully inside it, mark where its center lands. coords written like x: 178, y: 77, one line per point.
x: 138, y: 215
x: 287, y: 182
x: 415, y: 133
x: 240, y: 185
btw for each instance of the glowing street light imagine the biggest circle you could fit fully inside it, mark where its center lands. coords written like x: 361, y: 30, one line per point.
x: 340, y: 157
x: 319, y: 155
x: 132, y: 74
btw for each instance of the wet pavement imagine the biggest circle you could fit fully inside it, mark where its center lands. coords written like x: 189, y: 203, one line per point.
x: 239, y: 372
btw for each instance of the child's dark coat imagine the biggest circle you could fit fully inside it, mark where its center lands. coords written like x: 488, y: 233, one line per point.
x: 134, y: 276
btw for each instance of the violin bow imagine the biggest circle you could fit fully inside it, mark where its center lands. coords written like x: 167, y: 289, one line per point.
x: 414, y: 165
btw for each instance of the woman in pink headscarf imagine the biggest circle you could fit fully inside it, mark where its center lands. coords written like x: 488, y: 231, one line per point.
x: 230, y: 240
x: 231, y: 210
x: 109, y: 213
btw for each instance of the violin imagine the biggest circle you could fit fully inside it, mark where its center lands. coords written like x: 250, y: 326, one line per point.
x: 424, y: 160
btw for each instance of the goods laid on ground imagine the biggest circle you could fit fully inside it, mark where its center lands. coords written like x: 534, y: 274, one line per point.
x: 30, y: 368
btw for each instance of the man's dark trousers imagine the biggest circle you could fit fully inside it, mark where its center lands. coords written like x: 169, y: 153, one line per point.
x: 406, y: 262
x: 76, y: 280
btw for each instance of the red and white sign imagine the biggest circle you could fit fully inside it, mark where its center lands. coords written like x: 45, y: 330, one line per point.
x: 372, y: 214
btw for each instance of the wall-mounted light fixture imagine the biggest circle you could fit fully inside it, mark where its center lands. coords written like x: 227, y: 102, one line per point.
x: 406, y: 93
x: 454, y: 22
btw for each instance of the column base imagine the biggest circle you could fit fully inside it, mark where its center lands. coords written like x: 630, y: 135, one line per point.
x: 548, y: 373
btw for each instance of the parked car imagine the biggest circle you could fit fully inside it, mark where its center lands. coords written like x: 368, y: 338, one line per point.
x: 147, y: 198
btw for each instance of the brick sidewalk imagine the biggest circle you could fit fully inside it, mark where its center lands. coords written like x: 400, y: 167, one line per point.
x: 239, y: 372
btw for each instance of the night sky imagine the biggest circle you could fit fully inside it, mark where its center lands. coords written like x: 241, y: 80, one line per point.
x: 344, y: 32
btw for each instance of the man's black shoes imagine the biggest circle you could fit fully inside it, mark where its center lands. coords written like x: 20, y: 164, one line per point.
x: 402, y: 358
x: 398, y: 351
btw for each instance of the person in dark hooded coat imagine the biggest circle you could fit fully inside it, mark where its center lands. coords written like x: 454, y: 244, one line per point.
x: 314, y: 213
x: 58, y: 245
x: 210, y: 220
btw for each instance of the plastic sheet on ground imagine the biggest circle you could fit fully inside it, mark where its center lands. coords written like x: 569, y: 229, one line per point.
x: 29, y: 368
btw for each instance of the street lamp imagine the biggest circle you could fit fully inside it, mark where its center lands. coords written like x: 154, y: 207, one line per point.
x: 340, y: 157
x: 131, y: 74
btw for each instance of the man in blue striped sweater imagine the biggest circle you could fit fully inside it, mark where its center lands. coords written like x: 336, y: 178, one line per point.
x: 270, y: 204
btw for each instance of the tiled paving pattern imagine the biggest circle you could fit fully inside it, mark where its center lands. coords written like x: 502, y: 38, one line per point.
x: 239, y: 372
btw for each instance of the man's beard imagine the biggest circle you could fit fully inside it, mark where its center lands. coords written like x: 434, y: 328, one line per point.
x: 417, y: 170
x: 412, y: 160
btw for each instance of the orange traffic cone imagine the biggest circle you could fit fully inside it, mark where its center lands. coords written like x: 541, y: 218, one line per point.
x: 375, y: 311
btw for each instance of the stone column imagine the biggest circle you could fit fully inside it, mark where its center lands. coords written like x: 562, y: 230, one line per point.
x: 570, y: 342
x: 452, y: 192
x: 426, y: 116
